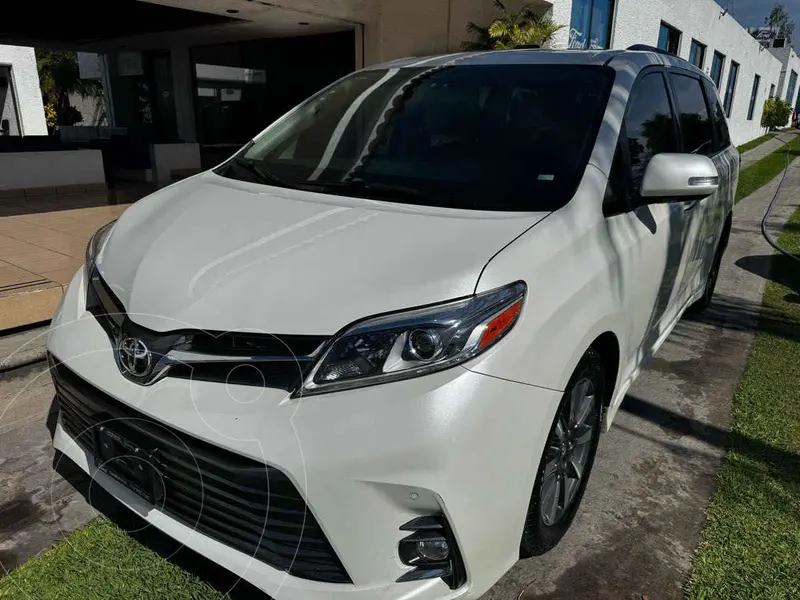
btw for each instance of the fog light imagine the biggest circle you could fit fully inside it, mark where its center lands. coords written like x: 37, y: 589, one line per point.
x: 433, y: 550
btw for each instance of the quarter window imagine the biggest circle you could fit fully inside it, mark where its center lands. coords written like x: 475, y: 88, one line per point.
x: 590, y: 26
x: 723, y: 138
x: 669, y: 39
x: 753, y: 97
x: 717, y: 65
x: 698, y: 136
x: 730, y: 91
x: 649, y: 125
x: 697, y: 54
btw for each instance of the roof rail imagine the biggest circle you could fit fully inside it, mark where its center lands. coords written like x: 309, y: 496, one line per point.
x: 646, y: 48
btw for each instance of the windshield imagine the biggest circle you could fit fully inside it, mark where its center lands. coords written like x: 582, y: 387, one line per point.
x: 499, y: 137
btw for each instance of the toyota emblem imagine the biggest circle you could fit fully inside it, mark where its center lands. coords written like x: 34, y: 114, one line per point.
x: 135, y: 357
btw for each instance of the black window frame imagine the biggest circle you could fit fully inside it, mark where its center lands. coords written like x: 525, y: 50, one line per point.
x: 753, y: 97
x: 703, y: 48
x: 772, y: 90
x: 671, y: 30
x: 723, y: 58
x: 730, y: 88
x: 613, y: 204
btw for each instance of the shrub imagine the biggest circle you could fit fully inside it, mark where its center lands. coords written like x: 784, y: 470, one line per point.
x: 776, y: 113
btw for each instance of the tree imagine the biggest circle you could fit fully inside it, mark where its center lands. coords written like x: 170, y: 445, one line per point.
x: 776, y: 113
x: 512, y: 29
x: 780, y: 20
x: 58, y: 78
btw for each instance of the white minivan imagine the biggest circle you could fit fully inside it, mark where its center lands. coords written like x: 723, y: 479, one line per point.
x: 371, y: 355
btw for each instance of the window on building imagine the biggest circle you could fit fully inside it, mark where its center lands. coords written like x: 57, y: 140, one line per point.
x: 730, y: 91
x: 722, y: 137
x: 697, y: 54
x: 591, y: 22
x: 753, y: 97
x: 696, y: 130
x: 649, y: 124
x: 790, y: 89
x: 669, y: 39
x: 772, y: 91
x: 717, y: 65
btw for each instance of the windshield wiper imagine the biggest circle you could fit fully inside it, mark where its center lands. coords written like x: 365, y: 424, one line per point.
x: 372, y: 188
x: 261, y: 175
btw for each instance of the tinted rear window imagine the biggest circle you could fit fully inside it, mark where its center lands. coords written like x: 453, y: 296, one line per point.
x: 500, y: 137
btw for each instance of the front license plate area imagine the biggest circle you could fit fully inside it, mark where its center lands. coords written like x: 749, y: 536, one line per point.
x: 136, y: 468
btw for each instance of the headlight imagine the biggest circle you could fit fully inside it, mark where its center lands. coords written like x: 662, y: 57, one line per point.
x: 416, y: 342
x: 96, y: 243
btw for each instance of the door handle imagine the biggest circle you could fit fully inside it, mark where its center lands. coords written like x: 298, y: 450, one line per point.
x: 690, y: 205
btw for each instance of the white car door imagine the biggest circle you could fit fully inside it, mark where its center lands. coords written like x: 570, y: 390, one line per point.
x: 650, y: 240
x: 697, y: 134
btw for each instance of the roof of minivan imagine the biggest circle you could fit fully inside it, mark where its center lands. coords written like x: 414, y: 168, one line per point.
x: 640, y: 58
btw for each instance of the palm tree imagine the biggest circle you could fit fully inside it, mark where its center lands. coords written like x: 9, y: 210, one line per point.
x: 511, y: 30
x: 58, y: 78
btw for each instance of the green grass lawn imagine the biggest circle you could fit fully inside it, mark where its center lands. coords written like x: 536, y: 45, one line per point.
x: 755, y: 143
x: 99, y: 562
x: 751, y: 543
x: 765, y: 170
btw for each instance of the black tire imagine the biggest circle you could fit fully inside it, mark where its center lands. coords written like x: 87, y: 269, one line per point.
x: 711, y: 279
x: 538, y: 536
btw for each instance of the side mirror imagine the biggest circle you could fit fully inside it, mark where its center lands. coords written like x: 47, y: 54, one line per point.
x: 679, y: 178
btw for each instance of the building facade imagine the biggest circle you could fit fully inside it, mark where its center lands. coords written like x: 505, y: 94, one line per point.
x: 210, y: 74
x: 21, y: 109
x: 700, y: 31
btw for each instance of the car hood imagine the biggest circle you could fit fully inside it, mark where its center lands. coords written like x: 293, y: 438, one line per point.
x: 222, y: 255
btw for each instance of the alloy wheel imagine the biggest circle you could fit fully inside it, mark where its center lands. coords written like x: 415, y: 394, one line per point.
x: 568, y: 450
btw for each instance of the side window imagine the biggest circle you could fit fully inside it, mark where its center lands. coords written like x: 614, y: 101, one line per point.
x: 717, y: 117
x: 698, y: 137
x: 649, y: 125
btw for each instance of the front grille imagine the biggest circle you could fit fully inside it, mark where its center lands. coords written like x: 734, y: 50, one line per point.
x: 247, y: 505
x: 266, y: 353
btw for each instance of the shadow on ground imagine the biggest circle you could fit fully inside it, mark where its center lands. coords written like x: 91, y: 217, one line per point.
x: 778, y: 268
x: 782, y: 464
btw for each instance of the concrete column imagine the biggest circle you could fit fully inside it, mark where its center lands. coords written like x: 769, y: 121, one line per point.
x: 184, y: 94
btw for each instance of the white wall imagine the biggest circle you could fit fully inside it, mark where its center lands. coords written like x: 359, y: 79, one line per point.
x: 790, y: 62
x: 26, y: 85
x: 168, y: 157
x: 639, y: 22
x: 20, y: 170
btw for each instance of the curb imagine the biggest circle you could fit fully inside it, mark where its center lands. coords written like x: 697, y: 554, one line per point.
x: 23, y: 359
x: 24, y: 348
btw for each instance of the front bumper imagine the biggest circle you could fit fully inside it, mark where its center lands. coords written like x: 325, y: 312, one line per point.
x: 366, y: 461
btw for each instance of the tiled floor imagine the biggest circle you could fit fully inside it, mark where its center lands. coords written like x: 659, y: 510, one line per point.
x: 43, y: 239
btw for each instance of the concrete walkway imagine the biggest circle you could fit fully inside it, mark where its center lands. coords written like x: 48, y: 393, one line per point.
x: 656, y: 469
x: 42, y: 244
x: 768, y: 147
x: 641, y: 517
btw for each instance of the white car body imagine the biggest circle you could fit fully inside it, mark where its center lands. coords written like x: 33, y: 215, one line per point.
x: 219, y: 254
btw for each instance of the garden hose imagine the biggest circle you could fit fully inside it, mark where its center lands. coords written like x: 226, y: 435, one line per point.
x: 770, y: 240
